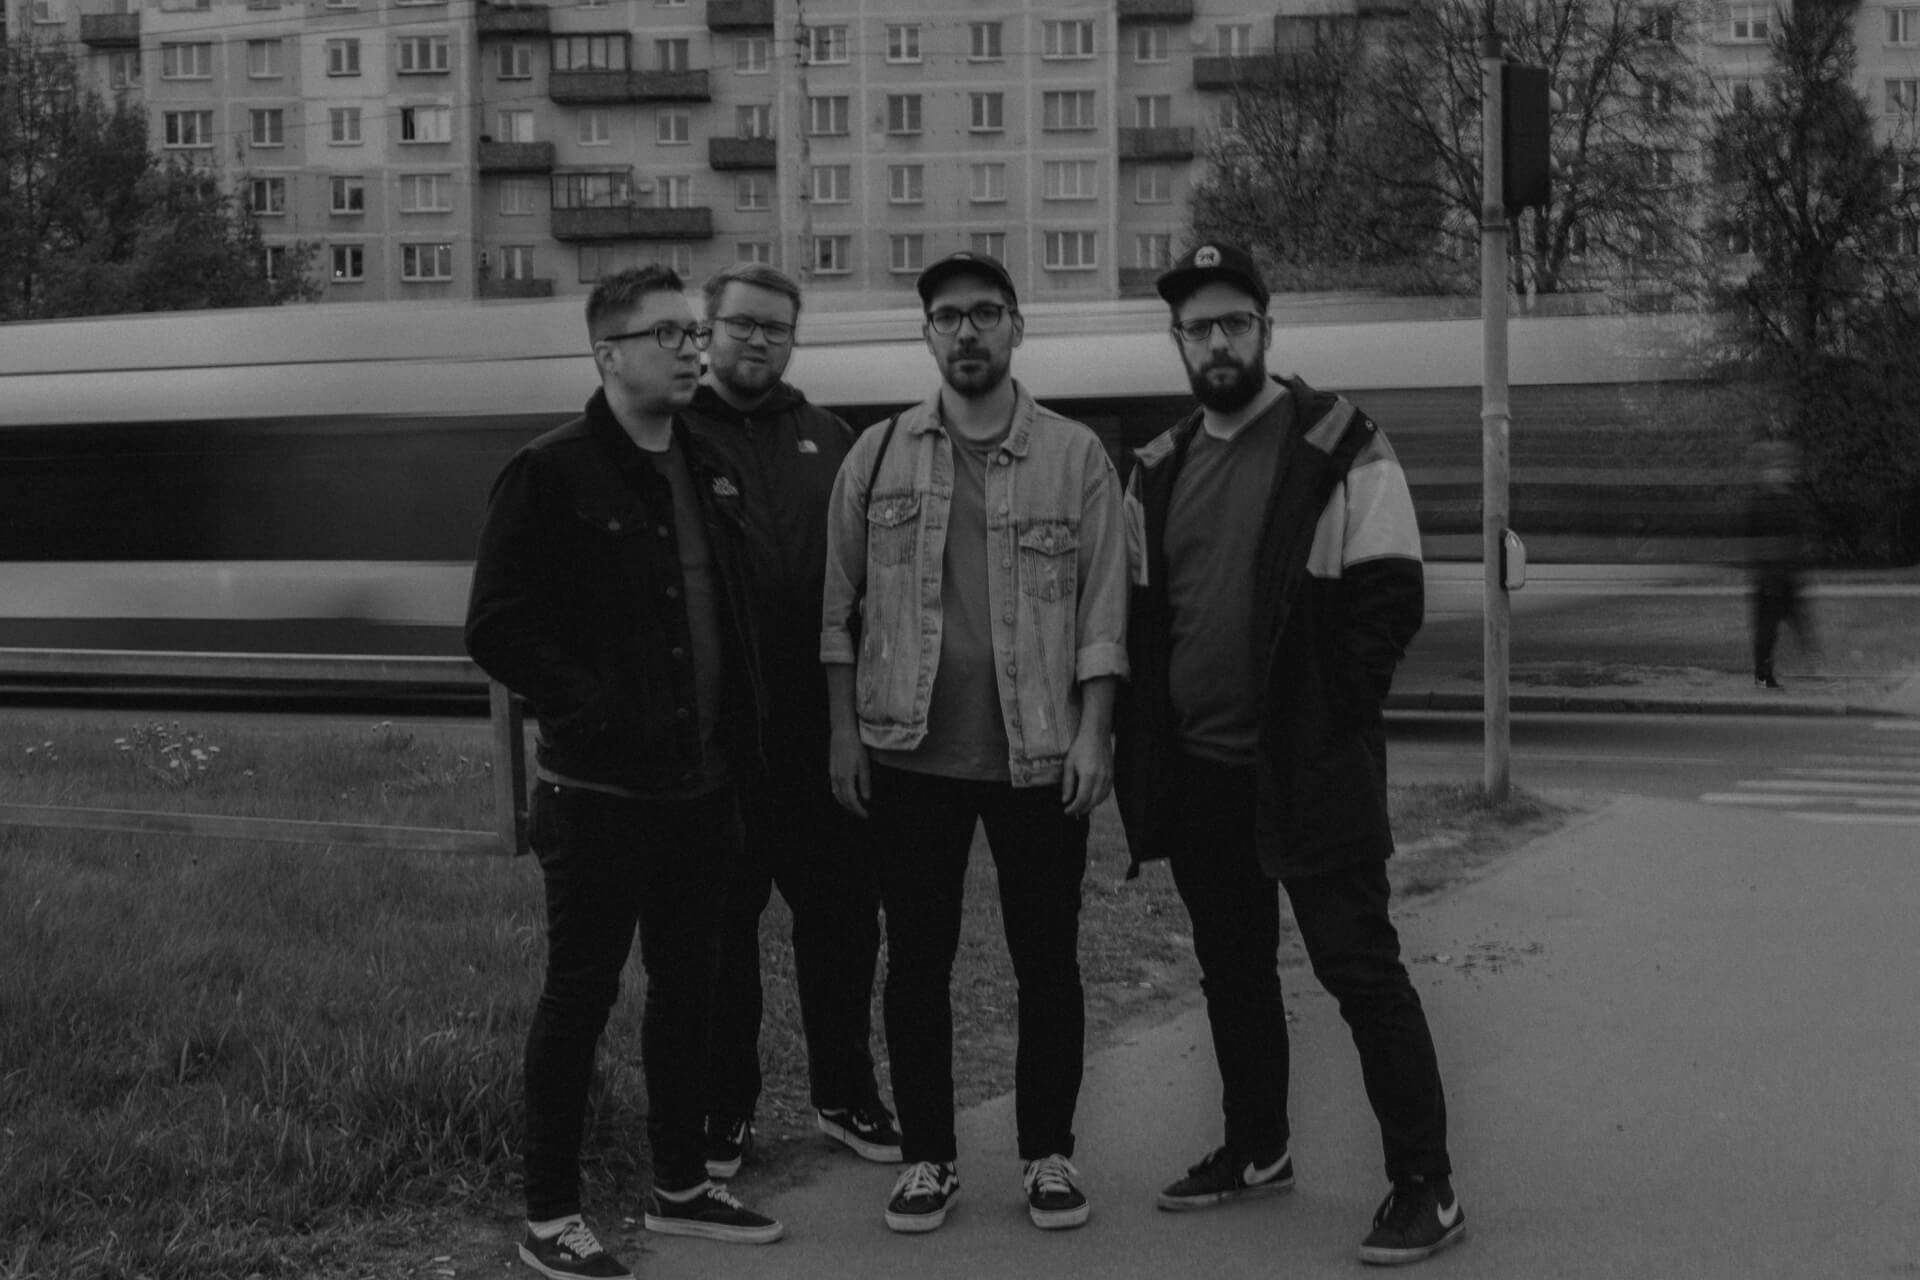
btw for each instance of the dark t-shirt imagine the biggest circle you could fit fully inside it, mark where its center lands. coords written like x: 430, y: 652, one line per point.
x: 703, y: 607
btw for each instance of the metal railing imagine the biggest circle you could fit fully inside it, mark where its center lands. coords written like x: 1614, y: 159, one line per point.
x: 508, y: 835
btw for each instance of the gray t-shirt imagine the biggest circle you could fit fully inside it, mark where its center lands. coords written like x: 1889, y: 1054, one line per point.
x: 703, y: 607
x: 1214, y: 520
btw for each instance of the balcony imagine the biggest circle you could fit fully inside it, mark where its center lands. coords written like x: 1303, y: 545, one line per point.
x: 1155, y: 11
x: 573, y: 88
x: 513, y: 20
x: 110, y: 30
x: 1137, y: 282
x: 491, y: 288
x: 515, y: 157
x: 1164, y: 143
x: 740, y: 15
x: 741, y: 153
x: 1225, y: 73
x: 631, y: 222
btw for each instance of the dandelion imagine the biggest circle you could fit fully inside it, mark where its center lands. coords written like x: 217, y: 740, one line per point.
x: 31, y: 751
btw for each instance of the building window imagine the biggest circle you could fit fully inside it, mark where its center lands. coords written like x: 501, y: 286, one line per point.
x: 1903, y: 97
x: 596, y: 261
x: 906, y: 184
x: 674, y: 191
x: 903, y: 113
x: 906, y: 253
x: 1228, y: 115
x: 267, y: 197
x: 988, y: 183
x: 263, y: 60
x: 831, y: 256
x: 516, y: 61
x: 903, y: 44
x: 426, y: 262
x: 343, y: 57
x: 1153, y: 185
x: 426, y: 124
x: 426, y: 193
x: 827, y: 117
x: 823, y: 46
x: 1739, y: 93
x: 422, y: 55
x: 1233, y: 39
x: 752, y: 191
x: 1153, y: 110
x: 186, y: 62
x: 590, y: 53
x: 349, y: 264
x: 1150, y: 44
x: 185, y: 6
x: 1069, y: 180
x: 831, y: 184
x: 343, y: 126
x: 1069, y: 251
x: 1749, y: 22
x: 343, y: 4
x: 1073, y: 39
x: 750, y: 55
x: 267, y: 127
x: 275, y: 262
x: 673, y: 128
x: 516, y: 262
x: 123, y: 69
x: 48, y: 11
x: 592, y: 190
x: 596, y: 127
x: 518, y: 196
x: 753, y: 120
x: 1153, y: 250
x: 188, y: 128
x: 671, y: 55
x: 1659, y: 25
x: 1066, y: 109
x: 677, y: 257
x: 347, y: 194
x: 993, y: 243
x: 515, y: 126
x: 988, y: 112
x: 753, y: 251
x: 983, y: 42
x: 1656, y: 97
x: 1903, y: 26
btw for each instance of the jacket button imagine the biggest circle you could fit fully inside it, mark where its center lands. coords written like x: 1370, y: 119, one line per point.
x: 660, y: 530
x: 1006, y: 562
x: 1007, y: 617
x: 679, y: 653
x: 613, y: 526
x: 673, y: 593
x: 1010, y: 671
x: 681, y: 713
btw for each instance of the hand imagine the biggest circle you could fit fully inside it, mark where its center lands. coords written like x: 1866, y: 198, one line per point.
x: 847, y: 770
x: 1087, y: 776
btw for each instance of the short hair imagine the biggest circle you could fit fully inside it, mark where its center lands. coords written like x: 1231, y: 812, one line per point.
x: 759, y: 274
x: 621, y: 292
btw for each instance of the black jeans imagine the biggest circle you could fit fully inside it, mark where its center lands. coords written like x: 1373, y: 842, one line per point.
x: 821, y: 857
x: 1776, y: 599
x: 611, y: 864
x: 1355, y: 953
x: 922, y: 829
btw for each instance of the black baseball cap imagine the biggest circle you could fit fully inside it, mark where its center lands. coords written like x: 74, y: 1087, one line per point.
x: 964, y: 263
x: 1207, y: 261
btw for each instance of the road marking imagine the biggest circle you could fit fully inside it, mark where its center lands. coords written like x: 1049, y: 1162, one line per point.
x: 1782, y: 799
x: 1831, y: 785
x: 1880, y: 788
x: 1884, y: 820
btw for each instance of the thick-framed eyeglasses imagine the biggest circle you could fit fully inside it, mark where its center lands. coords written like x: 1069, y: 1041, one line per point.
x: 669, y: 334
x: 984, y: 315
x: 1235, y: 324
x: 740, y: 329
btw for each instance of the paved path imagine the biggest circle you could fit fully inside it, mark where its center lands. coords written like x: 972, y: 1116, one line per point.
x: 1677, y: 1041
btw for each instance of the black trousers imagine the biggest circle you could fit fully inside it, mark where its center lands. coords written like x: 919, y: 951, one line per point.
x: 611, y: 864
x: 922, y: 828
x: 1355, y: 953
x: 821, y: 857
x: 1775, y: 599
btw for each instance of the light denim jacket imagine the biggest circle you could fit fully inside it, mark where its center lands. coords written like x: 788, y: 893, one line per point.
x: 1056, y: 578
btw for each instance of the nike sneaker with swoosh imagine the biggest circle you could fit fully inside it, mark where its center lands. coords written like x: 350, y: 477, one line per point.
x: 1223, y: 1176
x: 1419, y: 1218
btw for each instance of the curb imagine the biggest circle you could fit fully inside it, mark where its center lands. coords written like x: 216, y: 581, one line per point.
x: 1600, y: 704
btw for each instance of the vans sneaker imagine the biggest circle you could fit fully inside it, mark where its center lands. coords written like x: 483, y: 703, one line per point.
x: 1420, y: 1217
x: 728, y: 1144
x: 1221, y: 1176
x: 868, y: 1130
x: 1054, y: 1198
x: 710, y: 1211
x: 573, y: 1252
x: 921, y: 1196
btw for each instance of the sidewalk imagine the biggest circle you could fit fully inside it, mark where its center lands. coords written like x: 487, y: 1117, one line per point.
x: 1677, y: 1041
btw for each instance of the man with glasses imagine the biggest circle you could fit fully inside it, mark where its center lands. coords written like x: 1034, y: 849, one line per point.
x: 610, y: 591
x: 1277, y: 581
x: 787, y: 452
x: 973, y: 633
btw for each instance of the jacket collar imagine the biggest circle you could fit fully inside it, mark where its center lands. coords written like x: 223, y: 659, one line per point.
x: 711, y: 404
x: 925, y: 417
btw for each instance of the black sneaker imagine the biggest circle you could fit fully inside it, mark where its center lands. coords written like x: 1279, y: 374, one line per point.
x: 1221, y: 1176
x: 573, y: 1253
x: 868, y: 1130
x: 728, y: 1144
x: 1054, y: 1198
x: 921, y: 1196
x: 1420, y: 1217
x: 711, y: 1212
x: 1767, y: 682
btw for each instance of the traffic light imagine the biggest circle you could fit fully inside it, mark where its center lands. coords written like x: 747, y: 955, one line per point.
x: 1526, y: 135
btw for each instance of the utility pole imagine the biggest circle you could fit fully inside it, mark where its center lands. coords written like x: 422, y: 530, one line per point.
x: 1494, y: 417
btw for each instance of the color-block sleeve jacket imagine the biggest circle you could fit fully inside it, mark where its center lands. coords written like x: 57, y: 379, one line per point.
x: 1340, y: 594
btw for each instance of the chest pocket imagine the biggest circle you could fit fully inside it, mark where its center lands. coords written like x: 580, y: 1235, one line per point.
x: 1049, y: 559
x: 893, y: 528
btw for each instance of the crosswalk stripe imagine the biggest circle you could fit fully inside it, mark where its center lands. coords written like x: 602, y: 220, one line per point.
x: 1889, y: 774
x: 1781, y: 799
x: 1880, y: 787
x: 1885, y: 820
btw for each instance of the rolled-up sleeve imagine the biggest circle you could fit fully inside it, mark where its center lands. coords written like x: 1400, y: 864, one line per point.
x: 846, y: 553
x: 1101, y: 624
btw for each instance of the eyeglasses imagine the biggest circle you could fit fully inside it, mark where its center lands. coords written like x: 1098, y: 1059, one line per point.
x: 984, y: 315
x: 1235, y: 324
x: 740, y: 329
x: 669, y: 334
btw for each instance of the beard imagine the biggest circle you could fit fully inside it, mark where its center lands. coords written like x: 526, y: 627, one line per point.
x: 748, y: 378
x: 1225, y: 395
x: 975, y: 379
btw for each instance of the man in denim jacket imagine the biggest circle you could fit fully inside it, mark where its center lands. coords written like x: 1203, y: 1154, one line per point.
x: 986, y: 535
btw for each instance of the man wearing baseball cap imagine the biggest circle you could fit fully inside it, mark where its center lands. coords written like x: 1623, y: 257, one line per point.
x: 1276, y: 585
x: 973, y: 631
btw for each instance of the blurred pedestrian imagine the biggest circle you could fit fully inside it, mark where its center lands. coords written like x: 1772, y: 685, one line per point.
x: 976, y: 542
x: 610, y: 591
x: 1277, y: 581
x: 787, y: 451
x: 1776, y: 548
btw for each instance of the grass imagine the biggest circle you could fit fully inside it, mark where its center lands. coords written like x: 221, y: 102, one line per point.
x: 238, y: 1058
